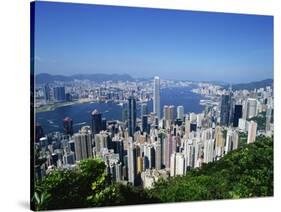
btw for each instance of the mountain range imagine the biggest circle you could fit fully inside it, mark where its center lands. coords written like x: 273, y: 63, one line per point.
x: 251, y: 85
x: 48, y: 78
x: 98, y: 77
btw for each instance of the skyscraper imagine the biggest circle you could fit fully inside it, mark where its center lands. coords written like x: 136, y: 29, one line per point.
x: 180, y: 164
x: 237, y: 115
x: 131, y: 161
x: 268, y: 116
x: 101, y: 141
x: 96, y: 122
x: 59, y: 93
x: 187, y: 127
x: 144, y: 110
x: 180, y: 112
x: 251, y: 108
x: 166, y: 112
x: 177, y: 164
x: 149, y: 156
x: 231, y: 141
x: 158, y: 156
x: 209, y: 150
x: 173, y: 165
x: 156, y: 97
x: 68, y: 157
x: 39, y: 133
x: 225, y: 109
x: 168, y: 150
x: 139, y: 164
x: 252, y: 132
x: 132, y: 115
x: 103, y: 124
x: 171, y: 112
x: 144, y: 121
x: 68, y: 126
x: 189, y: 151
x: 219, y: 142
x: 47, y: 93
x: 118, y: 147
x: 83, y: 144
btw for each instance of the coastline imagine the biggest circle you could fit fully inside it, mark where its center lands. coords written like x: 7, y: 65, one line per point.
x: 54, y: 106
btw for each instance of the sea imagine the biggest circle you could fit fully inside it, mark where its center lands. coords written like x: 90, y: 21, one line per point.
x: 52, y: 121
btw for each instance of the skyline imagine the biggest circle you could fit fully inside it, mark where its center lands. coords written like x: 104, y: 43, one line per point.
x: 152, y: 42
x: 152, y: 78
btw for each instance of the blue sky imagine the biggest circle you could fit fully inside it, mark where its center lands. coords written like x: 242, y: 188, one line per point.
x: 174, y: 44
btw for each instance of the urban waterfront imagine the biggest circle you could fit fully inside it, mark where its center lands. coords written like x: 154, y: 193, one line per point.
x: 137, y: 105
x: 149, y: 128
x: 81, y: 113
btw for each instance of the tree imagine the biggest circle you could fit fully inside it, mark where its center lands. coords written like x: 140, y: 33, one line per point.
x: 246, y: 172
x: 71, y: 188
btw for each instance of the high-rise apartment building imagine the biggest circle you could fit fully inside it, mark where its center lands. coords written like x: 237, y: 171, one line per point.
x: 219, y: 142
x: 156, y: 97
x: 251, y: 108
x: 231, y: 143
x: 177, y: 164
x: 180, y: 112
x: 131, y: 151
x: 252, y: 132
x: 83, y: 143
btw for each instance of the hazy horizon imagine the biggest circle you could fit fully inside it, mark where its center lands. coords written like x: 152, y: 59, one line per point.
x: 143, y: 42
x: 151, y: 77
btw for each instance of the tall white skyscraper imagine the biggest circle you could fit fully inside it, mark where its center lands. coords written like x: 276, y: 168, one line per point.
x: 232, y: 139
x: 156, y: 96
x: 158, y: 160
x: 180, y: 112
x: 252, y: 132
x: 131, y: 161
x: 251, y: 108
x: 180, y: 164
x: 189, y: 152
x: 177, y: 164
x: 173, y: 165
x: 209, y: 150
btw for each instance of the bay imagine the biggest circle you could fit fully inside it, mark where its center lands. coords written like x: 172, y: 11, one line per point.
x: 81, y: 113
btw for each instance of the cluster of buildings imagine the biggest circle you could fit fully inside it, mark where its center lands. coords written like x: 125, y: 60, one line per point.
x: 161, y: 143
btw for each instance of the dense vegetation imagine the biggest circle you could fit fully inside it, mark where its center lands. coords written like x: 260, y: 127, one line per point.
x: 86, y: 186
x: 246, y: 172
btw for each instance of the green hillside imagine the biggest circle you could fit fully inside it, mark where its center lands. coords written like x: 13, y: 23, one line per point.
x: 246, y: 172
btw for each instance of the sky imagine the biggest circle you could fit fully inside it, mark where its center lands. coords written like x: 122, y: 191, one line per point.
x: 173, y: 44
